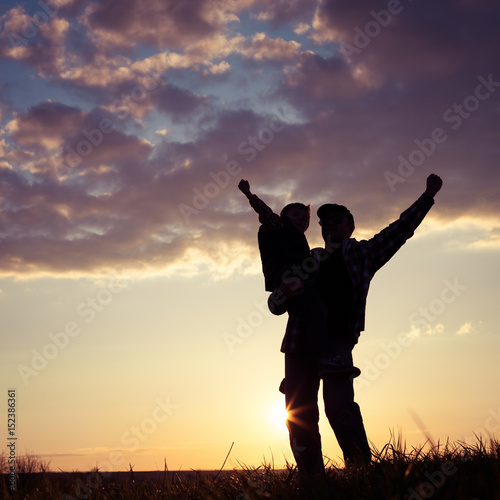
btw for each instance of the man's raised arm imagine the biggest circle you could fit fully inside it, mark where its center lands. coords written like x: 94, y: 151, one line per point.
x: 434, y: 184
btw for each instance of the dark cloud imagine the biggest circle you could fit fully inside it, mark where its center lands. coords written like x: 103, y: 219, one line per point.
x: 163, y: 24
x: 405, y: 41
x: 42, y: 125
x: 177, y: 102
x: 87, y: 188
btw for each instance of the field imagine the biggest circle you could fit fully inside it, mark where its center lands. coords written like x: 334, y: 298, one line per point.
x: 454, y: 471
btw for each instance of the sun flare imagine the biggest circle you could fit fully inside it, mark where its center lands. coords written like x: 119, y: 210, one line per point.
x: 278, y: 415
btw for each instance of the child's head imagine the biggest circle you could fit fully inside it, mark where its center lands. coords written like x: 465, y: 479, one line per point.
x: 299, y: 215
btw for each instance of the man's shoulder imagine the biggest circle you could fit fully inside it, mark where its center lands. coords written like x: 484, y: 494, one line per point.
x: 320, y: 253
x: 353, y: 249
x: 346, y: 243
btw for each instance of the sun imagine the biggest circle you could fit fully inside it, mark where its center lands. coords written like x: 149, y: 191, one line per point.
x: 278, y: 415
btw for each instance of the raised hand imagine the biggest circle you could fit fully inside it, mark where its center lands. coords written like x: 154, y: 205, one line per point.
x: 244, y: 187
x: 434, y: 184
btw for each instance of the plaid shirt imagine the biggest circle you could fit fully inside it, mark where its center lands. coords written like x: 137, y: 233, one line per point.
x: 363, y: 259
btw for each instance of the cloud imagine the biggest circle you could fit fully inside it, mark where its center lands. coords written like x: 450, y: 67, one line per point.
x: 283, y: 12
x: 465, y: 329
x: 301, y: 28
x: 90, y: 179
x: 38, y: 40
x: 468, y: 328
x: 178, y: 102
x: 162, y: 24
x: 489, y: 241
x: 401, y: 40
x: 263, y: 47
x: 42, y: 125
x: 110, y: 200
x: 417, y: 332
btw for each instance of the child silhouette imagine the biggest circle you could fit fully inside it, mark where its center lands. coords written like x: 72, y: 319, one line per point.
x: 284, y: 254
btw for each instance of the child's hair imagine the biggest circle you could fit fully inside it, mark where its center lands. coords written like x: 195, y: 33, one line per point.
x: 301, y: 206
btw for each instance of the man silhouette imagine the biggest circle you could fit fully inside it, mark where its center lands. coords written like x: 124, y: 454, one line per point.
x: 343, y: 273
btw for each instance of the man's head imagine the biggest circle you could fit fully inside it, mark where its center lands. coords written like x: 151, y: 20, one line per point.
x: 337, y: 223
x: 299, y: 215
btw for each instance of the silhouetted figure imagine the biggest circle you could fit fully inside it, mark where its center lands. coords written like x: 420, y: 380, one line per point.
x: 282, y: 242
x: 346, y: 267
x: 285, y: 255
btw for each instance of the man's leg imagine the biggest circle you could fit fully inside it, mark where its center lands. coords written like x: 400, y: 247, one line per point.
x: 301, y: 396
x: 345, y: 418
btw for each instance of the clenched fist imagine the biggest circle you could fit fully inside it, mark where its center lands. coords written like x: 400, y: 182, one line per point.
x: 434, y: 184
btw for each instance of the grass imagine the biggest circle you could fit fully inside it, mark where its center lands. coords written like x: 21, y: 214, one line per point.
x: 454, y: 471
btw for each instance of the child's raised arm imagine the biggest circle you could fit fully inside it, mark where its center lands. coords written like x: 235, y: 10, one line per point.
x: 266, y: 216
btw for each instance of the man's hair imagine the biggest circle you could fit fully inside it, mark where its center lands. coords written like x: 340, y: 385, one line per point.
x: 324, y: 210
x: 298, y: 205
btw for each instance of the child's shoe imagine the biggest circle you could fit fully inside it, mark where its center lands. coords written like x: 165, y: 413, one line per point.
x: 335, y: 369
x: 282, y: 387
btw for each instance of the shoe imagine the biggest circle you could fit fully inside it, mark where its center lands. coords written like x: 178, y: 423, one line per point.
x: 282, y: 386
x: 335, y: 369
x: 339, y: 371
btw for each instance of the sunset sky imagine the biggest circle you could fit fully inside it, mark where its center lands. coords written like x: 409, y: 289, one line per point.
x: 134, y: 320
